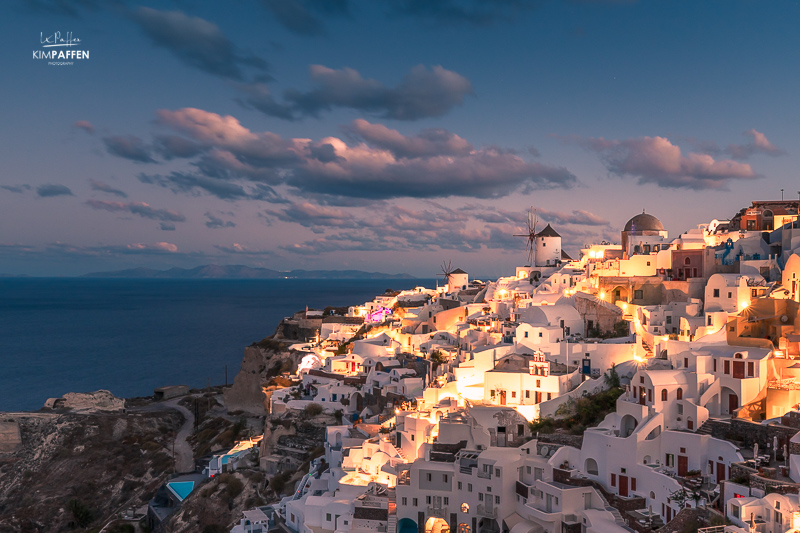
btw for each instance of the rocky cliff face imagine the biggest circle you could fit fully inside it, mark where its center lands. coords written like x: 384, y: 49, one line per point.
x: 247, y: 392
x: 105, y: 462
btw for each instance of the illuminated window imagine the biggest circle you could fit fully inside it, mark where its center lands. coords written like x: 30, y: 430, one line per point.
x: 465, y: 509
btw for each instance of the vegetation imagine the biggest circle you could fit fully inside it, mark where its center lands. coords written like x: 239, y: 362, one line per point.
x: 81, y: 513
x: 621, y: 329
x: 437, y: 358
x: 278, y: 482
x: 313, y: 409
x: 588, y: 411
x: 272, y: 345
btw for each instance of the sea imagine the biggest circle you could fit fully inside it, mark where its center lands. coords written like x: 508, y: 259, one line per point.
x: 130, y: 336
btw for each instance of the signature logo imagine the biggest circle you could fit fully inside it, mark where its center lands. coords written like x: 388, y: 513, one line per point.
x: 60, y: 49
x: 57, y: 40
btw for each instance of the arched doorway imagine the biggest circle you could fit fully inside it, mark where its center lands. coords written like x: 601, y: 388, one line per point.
x: 627, y: 425
x: 591, y: 466
x: 406, y: 525
x: 730, y: 401
x: 436, y: 525
x: 619, y: 293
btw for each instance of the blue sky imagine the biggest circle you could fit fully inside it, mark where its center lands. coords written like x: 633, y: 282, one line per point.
x: 383, y: 136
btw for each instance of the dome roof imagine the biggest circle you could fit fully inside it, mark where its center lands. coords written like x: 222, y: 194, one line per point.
x: 644, y: 222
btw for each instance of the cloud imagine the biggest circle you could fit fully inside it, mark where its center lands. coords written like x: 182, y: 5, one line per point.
x: 577, y: 216
x: 428, y: 143
x: 422, y: 93
x: 69, y: 8
x: 137, y: 208
x: 104, y: 187
x: 305, y: 17
x: 18, y: 189
x: 463, y: 12
x: 216, y: 222
x: 84, y: 125
x: 129, y: 147
x: 196, y: 42
x: 384, y: 164
x: 49, y: 191
x: 759, y: 145
x: 183, y: 182
x: 656, y: 160
x: 316, y: 217
x: 167, y: 226
x: 174, y: 146
x: 122, y: 249
x: 237, y: 248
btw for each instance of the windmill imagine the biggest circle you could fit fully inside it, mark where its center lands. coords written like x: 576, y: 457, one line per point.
x: 531, y: 235
x: 447, y: 270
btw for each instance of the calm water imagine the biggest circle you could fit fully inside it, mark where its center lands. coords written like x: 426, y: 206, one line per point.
x: 131, y: 336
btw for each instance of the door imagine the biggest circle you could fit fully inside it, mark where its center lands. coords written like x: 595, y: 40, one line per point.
x: 720, y: 472
x: 502, y: 397
x: 733, y: 403
x: 738, y: 369
x: 690, y: 424
x: 683, y: 465
x: 642, y: 396
x: 623, y: 486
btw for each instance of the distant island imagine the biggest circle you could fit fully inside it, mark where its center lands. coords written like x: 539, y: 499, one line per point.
x: 241, y: 272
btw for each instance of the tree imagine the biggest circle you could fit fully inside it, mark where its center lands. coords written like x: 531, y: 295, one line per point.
x: 612, y: 378
x: 83, y: 515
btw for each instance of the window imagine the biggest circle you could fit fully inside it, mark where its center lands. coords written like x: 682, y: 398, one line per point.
x: 444, y: 478
x: 460, y: 486
x: 685, y: 362
x: 778, y: 518
x: 480, y: 496
x: 680, y: 393
x: 726, y: 367
x: 428, y: 500
x: 549, y: 395
x: 414, y: 502
x: 527, y: 394
x: 649, y: 395
x: 538, y: 383
x: 633, y: 483
x: 663, y: 395
x: 405, y: 502
x: 648, y: 263
x: 687, y: 261
x: 613, y: 480
x: 730, y: 294
x: 412, y: 440
x: 715, y: 361
x: 680, y: 408
x: 540, y: 334
x: 641, y: 379
x: 513, y: 394
x: 429, y: 477
x: 735, y: 511
x: 528, y: 469
x: 638, y: 294
x: 716, y: 293
x: 669, y: 319
x: 670, y: 460
x: 526, y: 334
x: 710, y: 322
x: 751, y: 371
x: 497, y: 500
x: 497, y: 472
x: 469, y: 487
x: 777, y: 505
x: 328, y: 515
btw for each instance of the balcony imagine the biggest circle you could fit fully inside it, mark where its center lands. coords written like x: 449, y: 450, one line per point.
x: 484, y: 475
x: 487, y: 511
x: 437, y: 512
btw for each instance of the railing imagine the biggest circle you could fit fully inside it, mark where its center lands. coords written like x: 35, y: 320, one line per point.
x: 490, y: 512
x: 484, y: 475
x: 712, y: 529
x: 437, y: 512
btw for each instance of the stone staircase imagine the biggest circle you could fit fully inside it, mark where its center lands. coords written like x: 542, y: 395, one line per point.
x: 392, y: 526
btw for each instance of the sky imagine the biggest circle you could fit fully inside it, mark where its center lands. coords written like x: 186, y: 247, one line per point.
x: 383, y: 136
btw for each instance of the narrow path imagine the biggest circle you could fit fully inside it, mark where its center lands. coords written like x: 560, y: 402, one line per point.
x: 184, y: 456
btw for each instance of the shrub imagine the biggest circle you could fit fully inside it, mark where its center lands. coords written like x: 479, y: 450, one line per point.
x: 313, y: 409
x: 234, y: 487
x: 83, y: 515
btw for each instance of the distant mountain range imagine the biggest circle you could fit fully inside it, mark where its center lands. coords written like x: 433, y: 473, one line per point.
x: 241, y: 272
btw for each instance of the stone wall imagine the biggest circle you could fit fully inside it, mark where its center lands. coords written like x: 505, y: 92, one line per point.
x: 576, y: 441
x: 619, y: 503
x: 686, y: 518
x: 10, y: 437
x: 750, y: 433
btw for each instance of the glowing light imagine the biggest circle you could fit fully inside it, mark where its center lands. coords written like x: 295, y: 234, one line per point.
x: 592, y: 254
x: 638, y: 358
x: 778, y: 353
x: 743, y: 305
x: 603, y: 295
x: 624, y: 307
